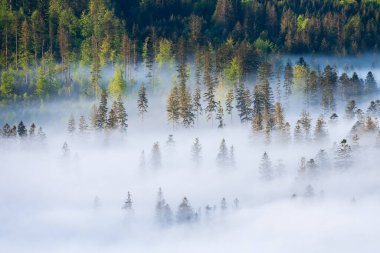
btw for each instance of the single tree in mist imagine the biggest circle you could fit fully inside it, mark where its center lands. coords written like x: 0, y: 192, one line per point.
x: 305, y: 122
x: 350, y: 109
x: 302, y: 168
x: 21, y: 130
x: 311, y: 168
x: 370, y: 124
x: 222, y: 157
x: 374, y: 108
x: 172, y: 106
x: 101, y: 114
x: 265, y: 168
x: 185, y: 212
x: 156, y: 156
x: 343, y: 155
x: 298, y: 136
x: 220, y: 115
x: 209, y: 83
x: 142, y: 162
x: 93, y: 116
x: 65, y: 149
x: 6, y: 131
x: 170, y: 142
x: 163, y: 211
x: 329, y: 85
x: 322, y: 159
x: 41, y: 134
x: 112, y: 120
x: 82, y: 124
x: 243, y: 103
x: 142, y: 102
x: 121, y: 115
x: 128, y: 202
x: 229, y: 100
x: 13, y: 132
x: 223, y: 204
x: 370, y: 85
x: 196, y: 150
x: 311, y: 88
x: 355, y: 142
x: 279, y: 116
x: 71, y: 124
x: 320, y: 132
x: 288, y: 81
x: 232, y: 162
x: 185, y: 106
x: 197, y: 104
x: 32, y: 130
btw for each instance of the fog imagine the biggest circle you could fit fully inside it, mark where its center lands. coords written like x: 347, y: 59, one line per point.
x: 55, y: 200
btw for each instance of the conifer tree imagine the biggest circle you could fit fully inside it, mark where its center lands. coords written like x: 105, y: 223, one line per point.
x: 32, y: 130
x: 163, y: 211
x: 328, y: 83
x: 305, y: 122
x: 156, y: 156
x: 142, y: 102
x: 279, y: 116
x: 288, y: 81
x: 172, y: 106
x: 343, y: 155
x: 121, y: 115
x: 222, y: 157
x: 320, y: 132
x: 350, y: 109
x: 229, y: 101
x: 117, y: 85
x: 21, y: 130
x: 82, y: 124
x: 220, y: 115
x: 65, y: 149
x: 197, y: 105
x: 142, y: 163
x: 232, y: 157
x: 101, y: 114
x: 93, y: 116
x: 170, y: 142
x: 41, y: 134
x: 370, y: 124
x: 128, y: 203
x: 243, y: 103
x: 185, y: 106
x: 185, y: 212
x: 71, y: 124
x: 298, y: 136
x: 196, y: 150
x: 370, y: 84
x: 223, y: 204
x: 112, y: 120
x: 209, y: 83
x: 265, y: 169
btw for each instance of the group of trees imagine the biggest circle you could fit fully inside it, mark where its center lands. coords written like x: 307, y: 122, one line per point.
x: 21, y: 131
x: 42, y: 42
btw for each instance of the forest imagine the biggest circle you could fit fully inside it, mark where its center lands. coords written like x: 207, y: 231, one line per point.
x: 189, y: 126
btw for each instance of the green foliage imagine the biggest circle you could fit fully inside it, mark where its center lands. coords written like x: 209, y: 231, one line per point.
x: 117, y: 85
x: 7, y: 83
x: 41, y: 83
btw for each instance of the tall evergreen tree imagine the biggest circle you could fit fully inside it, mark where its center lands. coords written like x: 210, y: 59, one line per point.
x: 71, y: 124
x: 220, y: 115
x: 101, y: 114
x: 229, y: 101
x: 121, y: 114
x: 265, y: 169
x: 21, y: 130
x: 142, y: 102
x: 196, y: 150
x: 156, y: 156
x: 185, y: 212
x: 172, y: 106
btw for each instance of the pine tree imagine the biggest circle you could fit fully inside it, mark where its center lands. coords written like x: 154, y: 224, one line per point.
x: 172, y: 106
x: 298, y: 136
x: 343, y: 155
x: 163, y: 211
x: 117, y: 85
x: 370, y: 125
x: 41, y: 134
x: 288, y: 81
x: 101, y: 115
x: 229, y: 101
x: 128, y: 203
x: 305, y: 122
x: 93, y: 116
x: 112, y: 120
x: 220, y: 115
x: 82, y: 124
x: 65, y: 149
x: 185, y: 213
x: 222, y: 157
x: 243, y: 103
x: 71, y: 124
x: 170, y: 142
x: 21, y: 130
x: 142, y: 101
x: 279, y: 116
x: 196, y: 150
x: 209, y: 83
x: 350, y: 109
x: 266, y: 171
x: 223, y: 204
x: 197, y: 105
x: 370, y: 84
x: 328, y: 83
x: 32, y: 130
x: 185, y: 105
x: 156, y: 156
x: 232, y: 157
x: 121, y: 115
x: 320, y: 132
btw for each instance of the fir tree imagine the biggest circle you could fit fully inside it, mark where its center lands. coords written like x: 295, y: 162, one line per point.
x: 156, y: 156
x: 82, y: 124
x: 196, y: 150
x: 222, y: 157
x: 220, y: 115
x: 328, y: 83
x: 266, y: 171
x: 32, y: 130
x: 172, y: 106
x: 163, y: 211
x: 71, y: 124
x: 142, y: 102
x: 112, y: 120
x: 350, y: 109
x: 197, y: 105
x: 243, y: 103
x: 320, y: 132
x: 279, y: 116
x: 229, y: 101
x: 185, y: 213
x: 93, y: 116
x: 65, y: 149
x: 370, y: 84
x: 101, y: 114
x: 21, y: 130
x: 121, y: 115
x: 288, y: 81
x: 128, y: 203
x: 41, y: 135
x: 343, y: 155
x: 209, y: 83
x: 223, y: 204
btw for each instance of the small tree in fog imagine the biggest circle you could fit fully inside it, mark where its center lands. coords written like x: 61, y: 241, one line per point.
x: 322, y: 159
x: 21, y: 130
x: 172, y: 106
x: 71, y: 124
x: 163, y: 211
x: 320, y: 132
x: 142, y: 102
x: 170, y: 142
x: 41, y: 134
x: 128, y: 202
x: 93, y: 116
x: 121, y: 114
x: 232, y: 157
x: 197, y: 104
x: 223, y: 204
x: 350, y: 109
x: 229, y: 101
x: 222, y: 157
x: 305, y: 122
x: 156, y: 156
x: 196, y: 150
x: 101, y: 114
x: 220, y: 115
x: 343, y: 155
x: 265, y: 169
x: 32, y: 130
x: 65, y: 149
x: 142, y: 162
x: 185, y: 212
x: 112, y: 120
x: 298, y: 137
x: 82, y: 124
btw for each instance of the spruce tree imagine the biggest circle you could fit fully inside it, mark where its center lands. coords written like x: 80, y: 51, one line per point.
x: 343, y: 155
x: 32, y: 130
x: 196, y: 150
x: 156, y: 156
x: 185, y: 212
x: 229, y: 101
x: 288, y: 81
x: 101, y: 115
x: 112, y: 120
x: 320, y: 132
x: 222, y: 157
x: 172, y: 106
x: 279, y: 116
x: 209, y: 83
x: 370, y: 84
x: 329, y: 84
x: 142, y: 102
x: 265, y: 169
x: 21, y: 130
x: 121, y: 115
x: 82, y: 124
x: 197, y: 105
x: 220, y: 115
x: 128, y: 203
x: 350, y: 109
x: 71, y: 124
